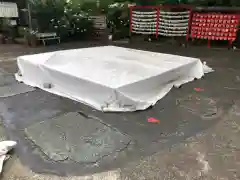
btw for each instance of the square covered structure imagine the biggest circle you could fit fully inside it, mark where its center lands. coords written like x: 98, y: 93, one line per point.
x: 109, y: 78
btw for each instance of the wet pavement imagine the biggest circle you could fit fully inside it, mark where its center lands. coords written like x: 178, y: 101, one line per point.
x: 191, y: 124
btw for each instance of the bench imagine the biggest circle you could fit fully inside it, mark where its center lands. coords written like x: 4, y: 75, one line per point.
x: 47, y: 36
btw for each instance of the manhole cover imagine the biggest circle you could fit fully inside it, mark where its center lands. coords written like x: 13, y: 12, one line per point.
x: 199, y: 105
x: 76, y: 137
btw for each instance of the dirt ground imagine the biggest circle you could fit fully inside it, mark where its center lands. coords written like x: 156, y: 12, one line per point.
x: 212, y: 154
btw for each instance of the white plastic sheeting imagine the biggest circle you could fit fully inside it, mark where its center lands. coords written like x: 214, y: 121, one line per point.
x: 5, y: 147
x: 109, y: 78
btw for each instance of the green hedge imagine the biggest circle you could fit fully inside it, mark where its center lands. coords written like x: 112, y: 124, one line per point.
x: 65, y: 18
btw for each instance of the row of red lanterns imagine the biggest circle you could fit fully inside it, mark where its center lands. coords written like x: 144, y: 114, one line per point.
x: 214, y: 26
x: 214, y: 29
x: 233, y: 21
x: 215, y: 16
x: 199, y: 36
x: 214, y: 34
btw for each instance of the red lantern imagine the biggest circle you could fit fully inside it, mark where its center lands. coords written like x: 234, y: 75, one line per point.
x: 214, y: 26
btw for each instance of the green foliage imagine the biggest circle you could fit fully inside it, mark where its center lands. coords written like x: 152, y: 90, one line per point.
x: 118, y: 18
x: 63, y: 17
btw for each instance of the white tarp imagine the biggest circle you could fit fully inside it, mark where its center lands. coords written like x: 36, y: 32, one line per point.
x: 5, y: 147
x: 109, y: 78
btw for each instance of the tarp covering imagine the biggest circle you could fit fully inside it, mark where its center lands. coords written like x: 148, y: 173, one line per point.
x: 109, y: 78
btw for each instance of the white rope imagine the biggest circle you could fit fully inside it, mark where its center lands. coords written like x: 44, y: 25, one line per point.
x: 166, y: 21
x: 147, y: 28
x: 160, y: 33
x: 144, y: 26
x: 142, y: 32
x: 161, y: 12
x: 172, y: 35
x: 161, y: 26
x: 144, y: 20
x: 144, y: 29
x: 144, y: 13
x: 174, y: 25
x: 172, y: 31
x: 150, y: 22
x: 174, y: 16
x: 161, y: 15
x: 176, y: 31
x: 163, y: 23
x: 175, y: 13
x: 164, y: 29
x: 172, y: 21
x: 173, y: 28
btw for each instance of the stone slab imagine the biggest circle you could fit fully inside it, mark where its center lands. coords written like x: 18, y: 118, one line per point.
x: 76, y: 137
